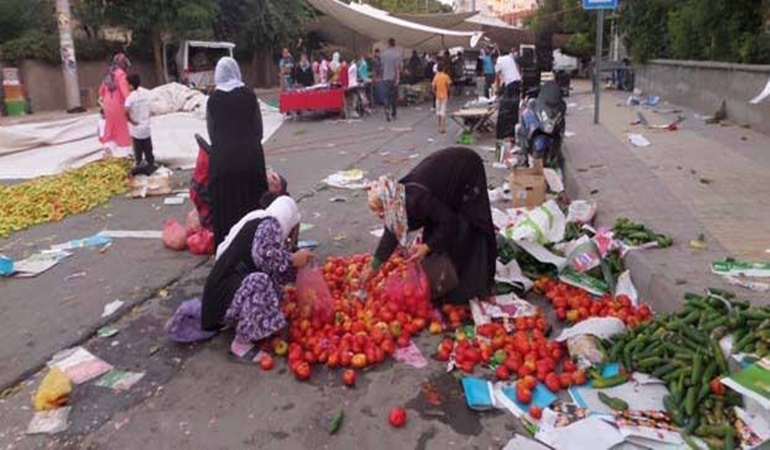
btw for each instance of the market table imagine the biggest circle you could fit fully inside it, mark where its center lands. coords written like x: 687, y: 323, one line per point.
x: 473, y: 119
x: 312, y: 100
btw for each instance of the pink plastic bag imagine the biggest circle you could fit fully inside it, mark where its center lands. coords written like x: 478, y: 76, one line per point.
x: 201, y: 242
x: 174, y: 235
x: 313, y: 297
x: 408, y: 289
x: 193, y: 224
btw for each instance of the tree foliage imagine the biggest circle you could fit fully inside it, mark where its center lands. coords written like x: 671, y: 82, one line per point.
x: 718, y: 30
x: 566, y: 17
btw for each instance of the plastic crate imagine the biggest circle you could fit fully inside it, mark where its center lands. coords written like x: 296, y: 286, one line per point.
x: 15, y: 107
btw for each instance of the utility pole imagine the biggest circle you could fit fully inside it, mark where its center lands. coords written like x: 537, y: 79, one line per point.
x: 598, y: 65
x: 68, y: 61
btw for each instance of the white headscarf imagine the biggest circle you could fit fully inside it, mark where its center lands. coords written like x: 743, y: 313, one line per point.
x: 227, y: 75
x: 335, y: 64
x: 284, y: 209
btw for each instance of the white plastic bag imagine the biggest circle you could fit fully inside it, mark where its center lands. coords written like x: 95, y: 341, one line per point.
x: 544, y: 224
x: 581, y: 211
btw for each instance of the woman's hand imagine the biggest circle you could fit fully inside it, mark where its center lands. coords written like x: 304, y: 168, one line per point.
x: 301, y: 257
x: 418, y: 252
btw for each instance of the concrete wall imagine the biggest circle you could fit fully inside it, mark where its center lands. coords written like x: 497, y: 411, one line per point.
x: 702, y: 85
x: 44, y: 84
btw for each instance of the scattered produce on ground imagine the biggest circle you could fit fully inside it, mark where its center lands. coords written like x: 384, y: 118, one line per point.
x: 52, y: 198
x: 397, y: 417
x: 636, y: 234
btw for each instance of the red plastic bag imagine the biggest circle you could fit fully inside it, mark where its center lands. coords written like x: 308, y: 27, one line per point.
x: 174, y: 235
x: 313, y: 297
x: 201, y: 242
x: 408, y: 290
x: 193, y: 224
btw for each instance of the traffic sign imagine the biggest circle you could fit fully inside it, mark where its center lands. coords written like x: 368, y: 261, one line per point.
x: 600, y: 4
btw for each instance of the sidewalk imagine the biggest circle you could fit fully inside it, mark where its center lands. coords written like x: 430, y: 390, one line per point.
x: 701, y: 179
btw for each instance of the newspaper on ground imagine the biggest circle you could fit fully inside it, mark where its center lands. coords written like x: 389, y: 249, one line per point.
x: 119, y: 380
x: 50, y: 422
x: 38, y: 263
x: 79, y: 364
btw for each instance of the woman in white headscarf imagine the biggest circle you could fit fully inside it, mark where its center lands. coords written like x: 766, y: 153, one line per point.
x: 237, y: 173
x: 334, y: 68
x: 245, y: 287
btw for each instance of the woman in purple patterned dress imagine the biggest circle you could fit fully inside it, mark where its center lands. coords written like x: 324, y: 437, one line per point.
x: 245, y: 287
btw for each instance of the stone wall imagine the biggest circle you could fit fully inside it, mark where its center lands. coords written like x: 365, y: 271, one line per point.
x: 702, y: 85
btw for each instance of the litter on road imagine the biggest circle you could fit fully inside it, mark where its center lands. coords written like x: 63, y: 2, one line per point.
x: 348, y: 179
x: 79, y: 364
x: 112, y: 307
x: 118, y: 380
x: 637, y: 140
x: 50, y: 422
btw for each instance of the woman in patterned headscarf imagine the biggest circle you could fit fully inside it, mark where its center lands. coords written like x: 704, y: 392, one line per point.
x: 112, y: 98
x: 446, y: 196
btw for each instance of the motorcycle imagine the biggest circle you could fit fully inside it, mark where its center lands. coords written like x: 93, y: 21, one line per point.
x: 540, y: 131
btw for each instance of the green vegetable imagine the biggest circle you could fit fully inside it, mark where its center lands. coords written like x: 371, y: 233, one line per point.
x: 613, y: 402
x: 336, y: 422
x: 615, y: 380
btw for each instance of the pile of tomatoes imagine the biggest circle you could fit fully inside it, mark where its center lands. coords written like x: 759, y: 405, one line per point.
x: 525, y: 354
x: 573, y: 305
x: 365, y: 328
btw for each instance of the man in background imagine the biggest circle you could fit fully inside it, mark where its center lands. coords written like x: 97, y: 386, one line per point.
x: 509, y: 86
x: 391, y: 77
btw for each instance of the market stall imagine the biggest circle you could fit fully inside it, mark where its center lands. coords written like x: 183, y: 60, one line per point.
x: 328, y: 99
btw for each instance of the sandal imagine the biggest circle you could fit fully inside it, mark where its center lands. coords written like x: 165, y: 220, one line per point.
x: 252, y: 356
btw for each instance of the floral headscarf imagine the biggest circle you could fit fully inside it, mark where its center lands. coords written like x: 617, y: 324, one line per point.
x: 393, y: 197
x: 119, y: 61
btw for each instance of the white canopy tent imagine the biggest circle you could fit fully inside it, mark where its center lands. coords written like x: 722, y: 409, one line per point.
x: 378, y: 25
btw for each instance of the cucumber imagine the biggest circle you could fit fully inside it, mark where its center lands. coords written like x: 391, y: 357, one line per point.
x: 613, y: 402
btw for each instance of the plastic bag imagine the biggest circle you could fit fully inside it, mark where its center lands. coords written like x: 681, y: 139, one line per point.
x: 193, y: 223
x: 174, y: 235
x: 581, y: 211
x: 54, y: 391
x: 409, y: 289
x: 313, y: 296
x: 585, y: 350
x: 201, y: 242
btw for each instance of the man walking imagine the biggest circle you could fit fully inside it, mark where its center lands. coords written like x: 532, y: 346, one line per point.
x: 391, y: 77
x: 509, y: 82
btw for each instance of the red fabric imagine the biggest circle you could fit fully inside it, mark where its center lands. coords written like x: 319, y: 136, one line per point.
x: 344, y: 78
x: 199, y: 189
x: 321, y: 99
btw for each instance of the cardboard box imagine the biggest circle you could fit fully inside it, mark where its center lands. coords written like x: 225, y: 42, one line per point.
x: 528, y: 187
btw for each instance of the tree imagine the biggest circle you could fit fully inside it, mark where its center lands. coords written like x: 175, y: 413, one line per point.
x: 159, y: 20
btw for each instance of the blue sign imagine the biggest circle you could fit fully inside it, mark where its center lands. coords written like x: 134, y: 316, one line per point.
x: 600, y: 4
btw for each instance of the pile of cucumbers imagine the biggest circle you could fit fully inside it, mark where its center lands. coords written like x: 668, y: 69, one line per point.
x: 636, y: 234
x: 682, y: 349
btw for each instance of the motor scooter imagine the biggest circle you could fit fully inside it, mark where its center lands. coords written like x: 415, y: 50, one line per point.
x: 540, y: 132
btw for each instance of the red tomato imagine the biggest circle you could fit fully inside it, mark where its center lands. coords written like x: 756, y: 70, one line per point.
x: 529, y: 382
x: 717, y: 388
x: 565, y: 379
x: 535, y: 412
x: 523, y: 395
x: 266, y: 363
x: 579, y: 377
x: 552, y: 382
x: 569, y: 366
x: 502, y: 373
x: 349, y: 377
x: 302, y: 371
x: 397, y: 417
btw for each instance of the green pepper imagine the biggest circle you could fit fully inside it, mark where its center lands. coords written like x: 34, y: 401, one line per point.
x: 613, y: 402
x: 336, y: 422
x: 615, y: 380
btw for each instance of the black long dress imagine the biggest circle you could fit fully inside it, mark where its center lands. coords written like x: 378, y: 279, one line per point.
x: 446, y: 195
x: 237, y: 171
x: 225, y: 278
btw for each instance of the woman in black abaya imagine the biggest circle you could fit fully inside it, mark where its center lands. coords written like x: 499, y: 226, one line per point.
x: 237, y: 167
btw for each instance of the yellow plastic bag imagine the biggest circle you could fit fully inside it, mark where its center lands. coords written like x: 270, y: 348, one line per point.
x: 54, y: 391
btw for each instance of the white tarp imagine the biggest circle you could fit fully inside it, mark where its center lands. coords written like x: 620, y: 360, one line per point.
x: 379, y: 26
x: 32, y: 150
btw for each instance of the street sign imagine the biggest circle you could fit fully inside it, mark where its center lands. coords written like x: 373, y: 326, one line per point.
x: 600, y: 4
